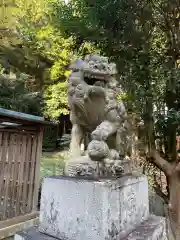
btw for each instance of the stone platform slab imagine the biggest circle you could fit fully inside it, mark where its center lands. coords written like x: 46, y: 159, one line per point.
x: 32, y: 234
x: 99, y: 209
x: 152, y: 229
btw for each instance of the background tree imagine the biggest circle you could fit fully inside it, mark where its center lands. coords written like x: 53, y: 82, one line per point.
x: 17, y: 96
x: 36, y: 48
x: 33, y: 47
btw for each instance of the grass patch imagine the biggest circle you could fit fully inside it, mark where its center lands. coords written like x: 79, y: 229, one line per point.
x: 51, y: 164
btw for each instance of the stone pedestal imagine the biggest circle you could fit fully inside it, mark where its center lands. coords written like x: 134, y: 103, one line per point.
x: 152, y: 229
x: 85, y: 209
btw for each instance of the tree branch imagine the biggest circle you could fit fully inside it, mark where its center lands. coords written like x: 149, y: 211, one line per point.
x: 161, y: 163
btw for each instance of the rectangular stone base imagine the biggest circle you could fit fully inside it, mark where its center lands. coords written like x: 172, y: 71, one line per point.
x: 86, y: 209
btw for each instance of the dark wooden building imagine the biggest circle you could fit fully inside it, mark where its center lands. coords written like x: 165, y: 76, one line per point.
x: 21, y: 137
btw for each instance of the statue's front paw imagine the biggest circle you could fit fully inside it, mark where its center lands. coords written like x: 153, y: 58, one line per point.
x: 99, y: 135
x: 98, y: 150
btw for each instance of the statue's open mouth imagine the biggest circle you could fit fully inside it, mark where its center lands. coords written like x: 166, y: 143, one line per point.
x: 96, y: 78
x: 95, y: 81
x: 96, y: 75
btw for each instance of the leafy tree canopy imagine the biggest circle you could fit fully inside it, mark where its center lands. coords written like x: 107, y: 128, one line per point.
x: 17, y: 96
x: 142, y: 38
x: 39, y: 49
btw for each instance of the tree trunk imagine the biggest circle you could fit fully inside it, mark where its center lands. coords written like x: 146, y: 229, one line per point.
x: 172, y: 172
x: 174, y: 201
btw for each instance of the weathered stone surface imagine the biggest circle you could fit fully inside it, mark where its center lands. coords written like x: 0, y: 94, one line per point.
x: 156, y: 204
x: 83, y: 166
x: 152, y: 229
x: 84, y: 209
x: 32, y: 234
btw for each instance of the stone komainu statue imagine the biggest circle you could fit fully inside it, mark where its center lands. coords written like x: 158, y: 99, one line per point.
x: 95, y: 111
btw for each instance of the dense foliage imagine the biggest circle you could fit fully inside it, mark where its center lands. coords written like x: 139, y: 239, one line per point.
x: 34, y: 46
x: 142, y: 38
x: 16, y: 95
